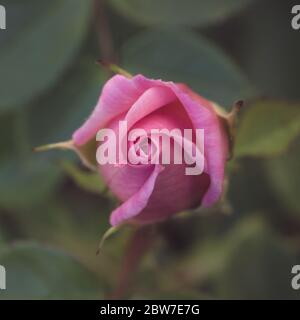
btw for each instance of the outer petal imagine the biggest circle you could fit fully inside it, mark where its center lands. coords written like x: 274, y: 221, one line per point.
x: 124, y: 181
x: 118, y: 95
x: 174, y: 192
x: 134, y: 205
x: 215, y: 143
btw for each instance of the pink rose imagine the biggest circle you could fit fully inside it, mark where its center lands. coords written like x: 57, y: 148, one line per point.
x: 153, y: 192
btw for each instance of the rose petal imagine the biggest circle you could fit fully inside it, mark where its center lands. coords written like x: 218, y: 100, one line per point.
x: 153, y: 99
x: 134, y: 205
x: 118, y: 95
x: 173, y: 192
x: 215, y: 143
x: 124, y: 181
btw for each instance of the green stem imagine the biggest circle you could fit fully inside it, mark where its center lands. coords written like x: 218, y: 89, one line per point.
x: 138, y: 246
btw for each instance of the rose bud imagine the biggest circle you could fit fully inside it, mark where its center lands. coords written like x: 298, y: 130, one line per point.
x: 151, y: 192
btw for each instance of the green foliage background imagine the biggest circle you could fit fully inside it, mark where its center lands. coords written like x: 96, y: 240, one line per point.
x: 53, y: 212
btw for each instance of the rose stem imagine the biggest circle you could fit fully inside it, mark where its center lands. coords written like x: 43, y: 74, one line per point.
x: 138, y: 245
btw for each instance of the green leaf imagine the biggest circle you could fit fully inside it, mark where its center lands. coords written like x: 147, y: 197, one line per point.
x: 67, y: 106
x: 249, y: 261
x: 272, y: 64
x: 37, y: 272
x: 26, y: 183
x: 41, y: 39
x: 59, y: 113
x: 178, y: 12
x: 2, y: 237
x: 88, y: 181
x: 7, y: 138
x: 32, y: 177
x: 283, y: 174
x: 258, y: 265
x: 267, y: 128
x: 182, y: 56
x: 25, y: 179
x: 108, y: 233
x: 248, y: 188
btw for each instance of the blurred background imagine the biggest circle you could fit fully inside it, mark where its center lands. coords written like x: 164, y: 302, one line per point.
x: 53, y: 212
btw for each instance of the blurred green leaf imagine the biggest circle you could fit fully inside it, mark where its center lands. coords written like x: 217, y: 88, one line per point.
x: 258, y: 265
x: 37, y: 272
x: 59, y: 113
x: 6, y: 135
x: 25, y: 183
x: 248, y: 189
x: 267, y: 128
x: 270, y: 51
x: 283, y: 174
x: 182, y: 56
x: 27, y: 179
x: 250, y: 261
x: 74, y: 222
x: 40, y: 41
x: 178, y: 12
x: 2, y: 237
x: 89, y: 181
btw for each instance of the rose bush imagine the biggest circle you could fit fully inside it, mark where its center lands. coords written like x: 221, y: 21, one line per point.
x: 153, y: 192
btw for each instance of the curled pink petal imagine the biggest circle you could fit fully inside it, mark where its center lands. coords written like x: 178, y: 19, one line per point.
x: 173, y: 194
x: 215, y: 144
x: 118, y: 95
x: 134, y: 205
x: 153, y: 99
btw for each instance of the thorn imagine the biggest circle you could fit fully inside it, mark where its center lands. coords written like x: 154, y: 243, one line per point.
x: 102, y: 63
x: 236, y: 108
x: 238, y: 105
x: 232, y: 115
